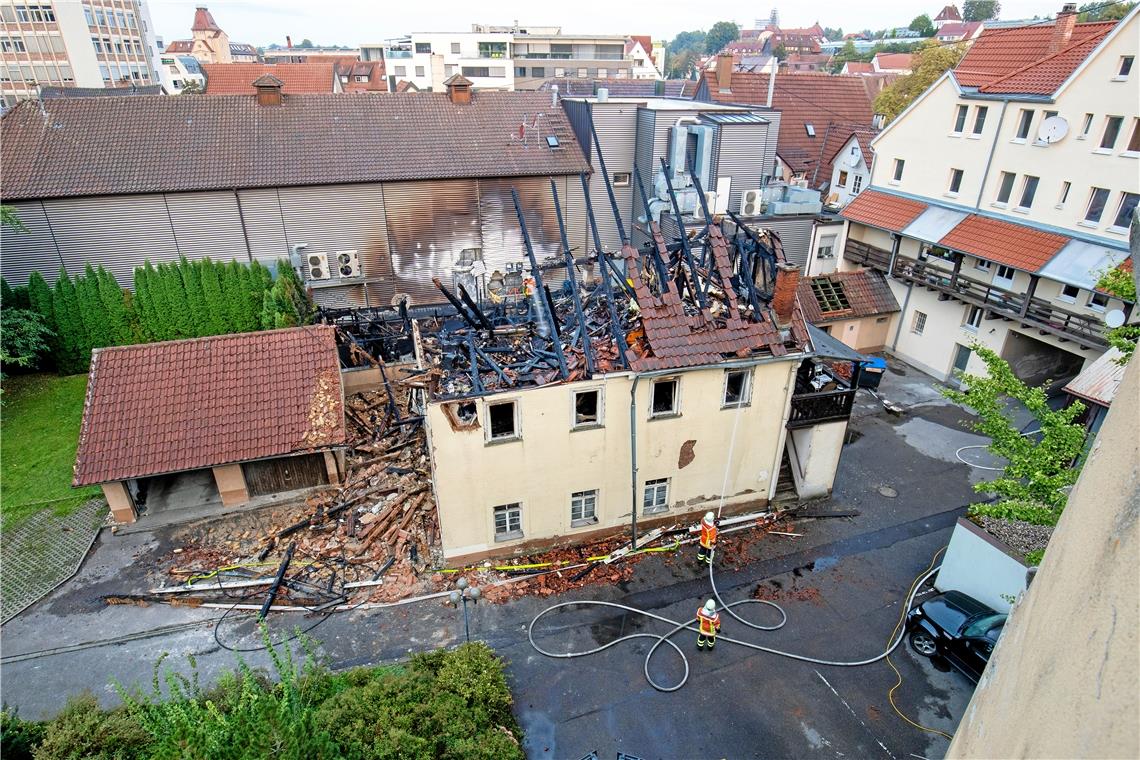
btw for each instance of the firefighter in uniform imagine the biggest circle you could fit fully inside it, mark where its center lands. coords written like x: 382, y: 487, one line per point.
x: 708, y: 619
x: 708, y: 538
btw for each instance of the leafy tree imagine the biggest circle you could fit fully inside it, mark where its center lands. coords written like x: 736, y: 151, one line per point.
x: 192, y: 87
x: 306, y: 43
x: 780, y: 52
x: 846, y: 54
x: 980, y: 10
x: 931, y: 61
x: 23, y: 337
x: 1032, y: 486
x: 118, y: 316
x: 923, y: 25
x: 195, y: 299
x: 91, y: 311
x: 1099, y: 11
x: 722, y: 33
x: 279, y: 306
x: 296, y: 291
x: 833, y: 34
x: 214, y: 317
x: 9, y: 219
x: 1120, y: 282
x: 686, y: 41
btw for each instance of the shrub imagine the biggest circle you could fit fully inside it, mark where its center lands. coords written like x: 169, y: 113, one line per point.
x: 83, y: 730
x: 18, y: 737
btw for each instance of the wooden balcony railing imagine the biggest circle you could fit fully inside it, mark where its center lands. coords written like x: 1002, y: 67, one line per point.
x: 815, y: 408
x: 999, y: 302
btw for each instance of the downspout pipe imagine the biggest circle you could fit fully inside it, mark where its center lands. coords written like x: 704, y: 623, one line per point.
x: 990, y: 155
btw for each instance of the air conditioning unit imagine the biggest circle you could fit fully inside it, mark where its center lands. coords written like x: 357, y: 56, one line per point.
x: 348, y: 264
x: 317, y: 265
x: 750, y: 202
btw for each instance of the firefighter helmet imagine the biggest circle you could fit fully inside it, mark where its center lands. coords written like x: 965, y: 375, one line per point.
x: 710, y: 607
x: 710, y: 518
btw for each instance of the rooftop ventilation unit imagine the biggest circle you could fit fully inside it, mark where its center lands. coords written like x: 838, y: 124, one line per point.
x: 317, y: 266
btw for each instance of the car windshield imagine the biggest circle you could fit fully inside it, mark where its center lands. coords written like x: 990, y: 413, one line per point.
x: 981, y: 626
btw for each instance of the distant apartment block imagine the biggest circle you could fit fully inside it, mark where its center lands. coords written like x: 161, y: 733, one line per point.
x: 93, y: 44
x: 514, y: 57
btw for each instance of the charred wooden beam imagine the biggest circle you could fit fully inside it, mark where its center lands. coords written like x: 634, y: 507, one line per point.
x: 571, y: 274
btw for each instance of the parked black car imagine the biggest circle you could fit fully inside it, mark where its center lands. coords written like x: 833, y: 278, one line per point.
x: 958, y: 628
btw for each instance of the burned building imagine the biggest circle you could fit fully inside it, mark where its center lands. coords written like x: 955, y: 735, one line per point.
x: 614, y: 391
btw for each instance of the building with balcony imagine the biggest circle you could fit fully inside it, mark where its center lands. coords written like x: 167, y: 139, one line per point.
x: 998, y: 198
x: 93, y: 44
x: 511, y: 57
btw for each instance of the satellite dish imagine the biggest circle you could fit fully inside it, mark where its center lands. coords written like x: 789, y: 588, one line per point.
x: 1114, y: 318
x: 1053, y: 130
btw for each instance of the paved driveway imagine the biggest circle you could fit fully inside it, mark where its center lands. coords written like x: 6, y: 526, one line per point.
x: 841, y: 583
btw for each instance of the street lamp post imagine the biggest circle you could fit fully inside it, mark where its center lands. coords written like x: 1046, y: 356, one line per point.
x: 464, y: 593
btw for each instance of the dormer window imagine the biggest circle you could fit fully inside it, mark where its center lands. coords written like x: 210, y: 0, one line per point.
x: 810, y: 129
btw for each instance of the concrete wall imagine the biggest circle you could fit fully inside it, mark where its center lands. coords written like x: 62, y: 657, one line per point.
x: 866, y: 334
x: 978, y: 564
x: 1062, y: 679
x: 814, y: 453
x: 708, y: 452
x: 120, y: 501
x: 231, y: 484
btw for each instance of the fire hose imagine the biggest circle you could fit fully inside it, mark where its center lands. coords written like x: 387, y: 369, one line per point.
x: 666, y: 638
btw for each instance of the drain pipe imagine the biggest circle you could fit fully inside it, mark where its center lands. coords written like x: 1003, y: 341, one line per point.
x: 633, y: 461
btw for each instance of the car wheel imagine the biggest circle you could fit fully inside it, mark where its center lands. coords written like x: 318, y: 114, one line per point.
x: 924, y: 643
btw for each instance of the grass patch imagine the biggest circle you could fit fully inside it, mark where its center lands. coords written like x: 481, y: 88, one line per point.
x: 39, y: 430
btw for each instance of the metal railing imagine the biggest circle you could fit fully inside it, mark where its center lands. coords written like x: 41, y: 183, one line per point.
x: 825, y: 406
x: 999, y: 302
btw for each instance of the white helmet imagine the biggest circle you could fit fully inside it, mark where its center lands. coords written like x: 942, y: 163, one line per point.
x: 710, y: 607
x: 710, y: 518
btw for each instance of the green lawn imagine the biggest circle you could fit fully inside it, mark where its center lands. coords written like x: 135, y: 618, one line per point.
x: 39, y: 430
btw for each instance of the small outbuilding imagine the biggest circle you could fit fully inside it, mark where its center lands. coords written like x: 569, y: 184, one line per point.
x: 227, y: 418
x: 856, y: 308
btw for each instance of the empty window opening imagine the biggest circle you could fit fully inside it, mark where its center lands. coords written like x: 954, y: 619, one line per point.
x: 508, y: 522
x: 463, y: 415
x: 583, y: 508
x: 587, y: 408
x: 656, y: 496
x: 664, y: 398
x: 736, y: 387
x: 502, y: 416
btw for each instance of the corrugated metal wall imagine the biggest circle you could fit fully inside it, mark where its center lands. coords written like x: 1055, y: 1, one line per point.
x: 616, y: 124
x: 261, y: 212
x: 119, y: 232
x: 741, y: 157
x: 578, y: 114
x: 646, y: 129
x: 207, y: 224
x: 795, y: 234
x: 22, y: 253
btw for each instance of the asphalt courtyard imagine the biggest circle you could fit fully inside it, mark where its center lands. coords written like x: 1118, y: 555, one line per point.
x: 841, y: 583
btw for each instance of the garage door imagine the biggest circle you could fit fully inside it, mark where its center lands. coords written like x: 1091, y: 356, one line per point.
x: 285, y: 474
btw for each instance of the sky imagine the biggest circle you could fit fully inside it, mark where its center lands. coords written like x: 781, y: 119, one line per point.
x: 351, y: 22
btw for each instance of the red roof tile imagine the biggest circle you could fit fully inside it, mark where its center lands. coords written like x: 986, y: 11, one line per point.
x: 948, y: 13
x: 999, y: 52
x: 877, y: 209
x: 801, y: 98
x: 893, y: 60
x: 1008, y: 243
x: 180, y: 46
x: 645, y: 40
x: 189, y: 404
x: 204, y: 21
x: 865, y: 291
x: 1046, y: 75
x: 833, y: 142
x: 299, y: 78
x: 959, y: 30
x: 859, y: 67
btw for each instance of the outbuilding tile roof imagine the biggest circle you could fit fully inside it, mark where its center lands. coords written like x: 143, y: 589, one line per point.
x: 297, y: 78
x: 878, y: 209
x: 858, y: 67
x: 189, y: 404
x: 111, y: 146
x: 862, y: 293
x: 1008, y: 243
x: 999, y: 52
x: 893, y: 60
x: 802, y: 98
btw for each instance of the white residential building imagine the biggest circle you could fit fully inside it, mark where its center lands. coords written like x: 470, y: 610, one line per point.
x: 89, y: 44
x: 1000, y: 195
x: 509, y: 57
x: 178, y: 71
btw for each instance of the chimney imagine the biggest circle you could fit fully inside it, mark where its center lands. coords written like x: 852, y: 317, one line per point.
x: 458, y: 89
x: 1063, y: 27
x: 288, y: 42
x: 784, y: 298
x: 724, y: 72
x: 268, y: 90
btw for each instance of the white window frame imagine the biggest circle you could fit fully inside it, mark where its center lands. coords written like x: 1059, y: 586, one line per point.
x: 516, y: 434
x: 1002, y: 189
x: 960, y: 117
x: 655, y: 496
x: 856, y: 184
x: 1024, y: 126
x: 982, y: 264
x: 1122, y: 75
x: 676, y: 410
x: 600, y: 422
x: 826, y: 248
x: 1024, y: 189
x: 955, y: 174
x: 999, y: 275
x: 620, y: 179
x: 586, y: 504
x: 456, y: 48
x: 974, y: 316
x: 1134, y: 135
x: 897, y: 175
x: 979, y: 125
x: 1114, y: 227
x: 1094, y: 296
x: 745, y: 390
x: 842, y: 180
x: 1062, y: 296
x: 513, y: 509
x: 1086, y: 127
x: 1085, y: 221
x: 1064, y: 198
x: 918, y: 322
x: 1108, y: 121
